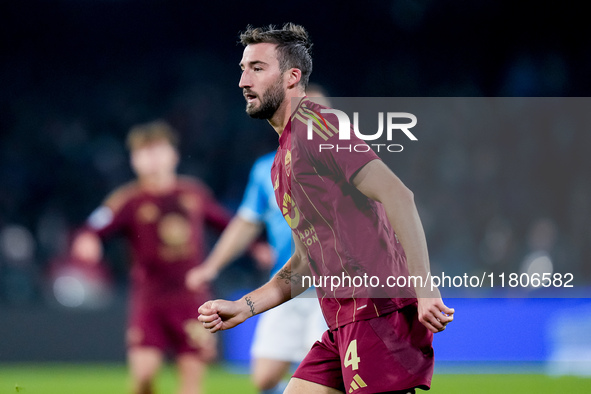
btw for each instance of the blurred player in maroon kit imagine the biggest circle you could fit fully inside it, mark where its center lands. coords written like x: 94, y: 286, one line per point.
x: 162, y: 216
x: 349, y: 215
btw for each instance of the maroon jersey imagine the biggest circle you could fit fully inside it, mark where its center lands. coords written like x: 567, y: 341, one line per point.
x: 346, y: 234
x: 165, y: 232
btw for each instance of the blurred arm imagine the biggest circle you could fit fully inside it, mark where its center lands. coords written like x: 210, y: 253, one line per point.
x: 113, y: 215
x: 217, y: 216
x: 87, y: 247
x: 234, y: 241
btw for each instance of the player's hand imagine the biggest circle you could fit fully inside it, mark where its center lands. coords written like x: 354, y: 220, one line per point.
x: 221, y: 314
x: 434, y: 314
x: 263, y: 253
x: 198, y: 277
x: 87, y: 248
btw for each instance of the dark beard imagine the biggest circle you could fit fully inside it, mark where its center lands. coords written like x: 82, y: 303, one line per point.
x: 270, y: 100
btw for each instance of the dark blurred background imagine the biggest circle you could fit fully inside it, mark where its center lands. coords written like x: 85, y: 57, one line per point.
x: 75, y: 75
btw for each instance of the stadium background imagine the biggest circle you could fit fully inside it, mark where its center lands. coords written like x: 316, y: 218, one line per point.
x: 75, y: 75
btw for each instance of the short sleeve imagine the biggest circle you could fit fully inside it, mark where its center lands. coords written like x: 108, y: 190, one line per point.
x: 341, y: 157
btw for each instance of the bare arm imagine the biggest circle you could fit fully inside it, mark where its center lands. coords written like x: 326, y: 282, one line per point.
x: 234, y: 241
x: 377, y: 182
x: 286, y: 284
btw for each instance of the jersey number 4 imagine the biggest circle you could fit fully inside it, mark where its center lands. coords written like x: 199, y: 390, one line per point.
x: 351, y: 357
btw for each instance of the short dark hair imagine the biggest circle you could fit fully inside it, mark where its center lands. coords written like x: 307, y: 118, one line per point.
x: 294, y: 47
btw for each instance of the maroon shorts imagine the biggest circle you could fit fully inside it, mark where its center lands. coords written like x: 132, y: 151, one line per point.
x: 388, y: 353
x: 169, y: 325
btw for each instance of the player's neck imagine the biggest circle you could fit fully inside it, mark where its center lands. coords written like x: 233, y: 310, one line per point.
x: 158, y: 184
x: 283, y: 113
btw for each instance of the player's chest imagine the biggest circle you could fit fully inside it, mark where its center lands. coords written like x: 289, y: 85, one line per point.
x: 293, y: 179
x: 281, y: 171
x: 282, y: 178
x: 162, y: 212
x: 296, y: 176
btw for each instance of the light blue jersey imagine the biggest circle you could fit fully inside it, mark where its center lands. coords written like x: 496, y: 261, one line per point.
x: 259, y: 205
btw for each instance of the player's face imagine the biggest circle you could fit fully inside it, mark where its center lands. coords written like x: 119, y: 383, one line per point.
x: 155, y: 159
x: 261, y: 81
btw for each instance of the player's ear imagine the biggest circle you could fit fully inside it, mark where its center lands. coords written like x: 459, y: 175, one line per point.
x: 177, y: 157
x: 133, y: 161
x: 293, y: 78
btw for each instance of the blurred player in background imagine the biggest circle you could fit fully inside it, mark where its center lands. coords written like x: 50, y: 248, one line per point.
x: 343, y: 209
x: 162, y: 216
x: 284, y: 334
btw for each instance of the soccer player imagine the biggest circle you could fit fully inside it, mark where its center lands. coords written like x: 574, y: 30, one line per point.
x: 284, y: 334
x: 162, y: 216
x: 349, y: 215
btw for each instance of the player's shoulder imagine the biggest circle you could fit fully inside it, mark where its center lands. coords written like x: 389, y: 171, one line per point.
x: 122, y: 195
x: 324, y: 125
x: 306, y: 109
